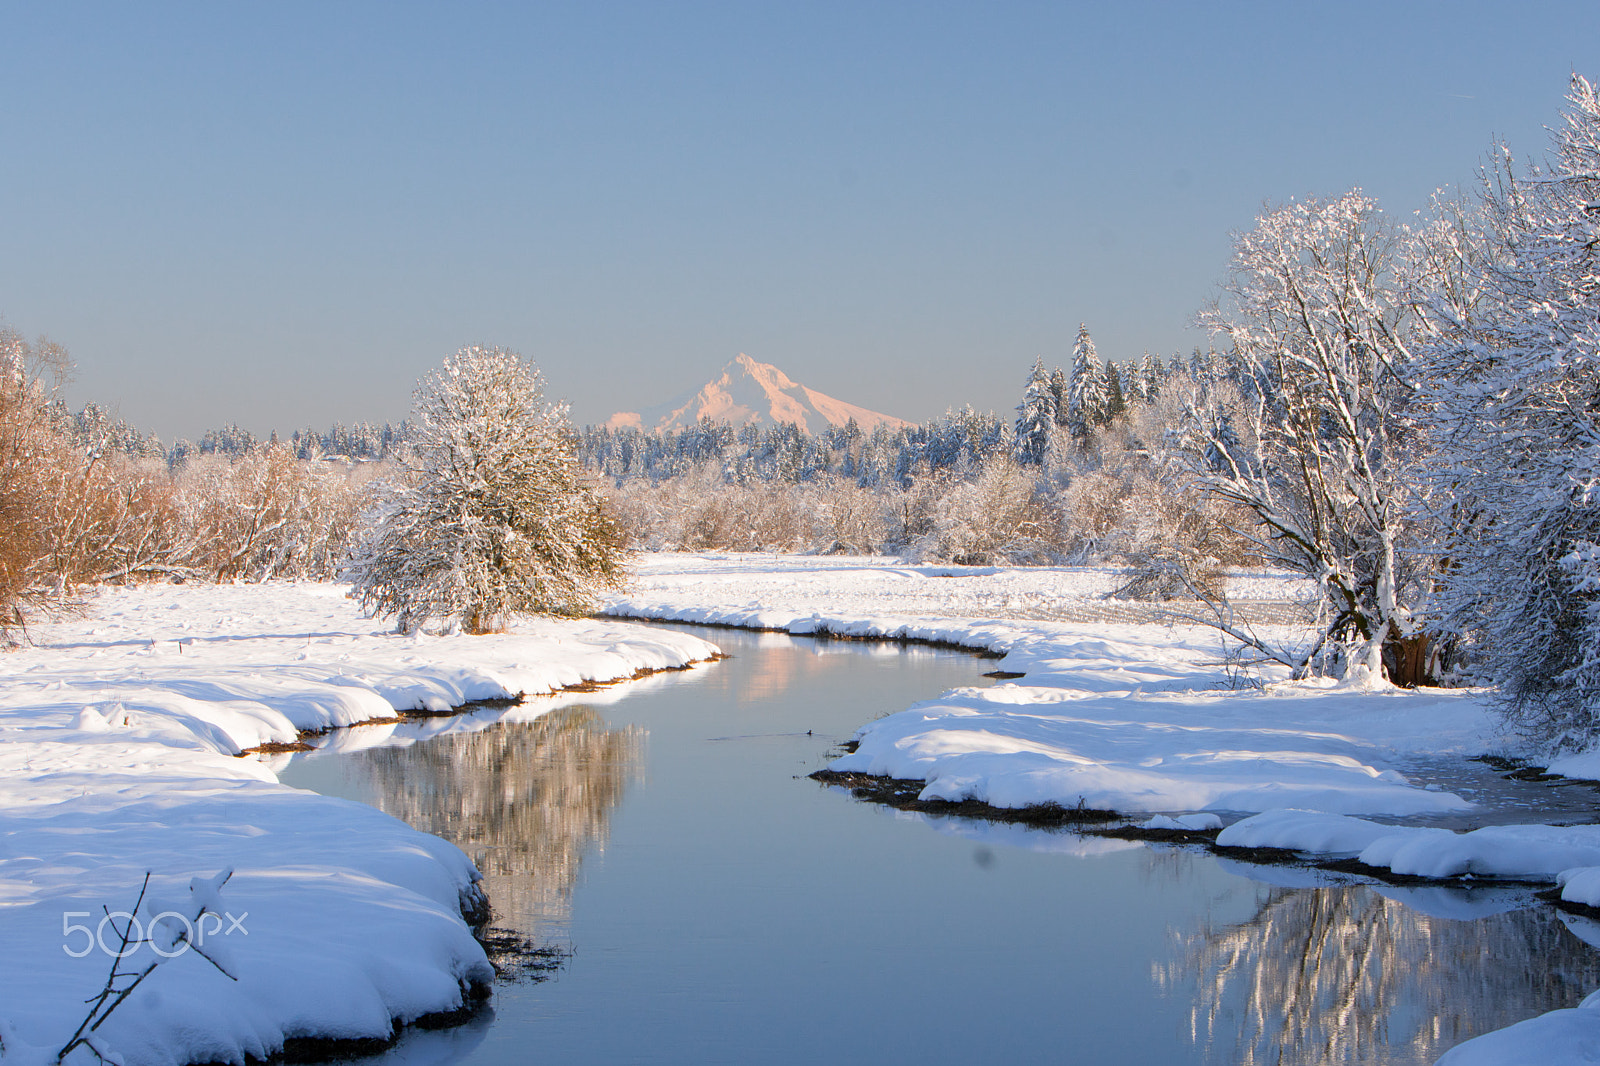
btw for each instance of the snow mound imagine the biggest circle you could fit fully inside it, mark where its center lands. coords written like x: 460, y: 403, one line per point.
x: 1190, y: 822
x: 1570, y: 1037
x: 1508, y: 852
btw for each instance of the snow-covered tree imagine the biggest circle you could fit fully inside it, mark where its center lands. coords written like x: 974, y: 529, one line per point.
x: 1514, y: 365
x: 1310, y: 434
x: 1060, y: 396
x: 1133, y: 382
x: 1086, y: 391
x: 1036, y: 417
x: 1116, y: 402
x: 496, y: 519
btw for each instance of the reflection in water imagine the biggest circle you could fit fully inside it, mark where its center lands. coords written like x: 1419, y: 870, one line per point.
x: 1341, y: 974
x: 805, y: 665
x: 1052, y: 937
x: 526, y: 800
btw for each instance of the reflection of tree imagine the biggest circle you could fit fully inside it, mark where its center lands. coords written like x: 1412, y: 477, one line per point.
x: 1343, y: 975
x: 525, y: 800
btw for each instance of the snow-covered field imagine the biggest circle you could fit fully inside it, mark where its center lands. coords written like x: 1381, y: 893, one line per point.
x: 1114, y: 711
x: 120, y: 731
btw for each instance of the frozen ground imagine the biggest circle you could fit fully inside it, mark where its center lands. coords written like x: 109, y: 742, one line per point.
x: 1117, y: 711
x: 120, y: 732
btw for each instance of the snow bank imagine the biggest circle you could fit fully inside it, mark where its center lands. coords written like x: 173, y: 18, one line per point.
x: 1570, y: 1037
x: 1118, y: 715
x: 1509, y: 852
x: 120, y: 732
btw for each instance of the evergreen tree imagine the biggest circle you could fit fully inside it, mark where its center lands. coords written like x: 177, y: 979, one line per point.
x: 1116, y: 404
x: 1133, y: 383
x: 1086, y: 392
x: 1150, y: 376
x: 1060, y: 396
x: 495, y: 520
x: 1036, y: 417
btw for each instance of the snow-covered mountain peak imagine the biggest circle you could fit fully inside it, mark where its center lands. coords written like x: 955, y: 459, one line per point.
x: 749, y: 391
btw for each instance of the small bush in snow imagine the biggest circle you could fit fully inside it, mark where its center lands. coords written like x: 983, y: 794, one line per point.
x: 494, y: 518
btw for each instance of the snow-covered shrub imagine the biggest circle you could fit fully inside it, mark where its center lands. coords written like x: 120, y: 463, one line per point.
x: 73, y: 513
x: 494, y: 517
x: 704, y: 510
x: 853, y: 517
x: 996, y: 518
x: 1513, y: 390
x: 113, y: 519
x: 264, y: 513
x: 1123, y: 501
x: 28, y: 447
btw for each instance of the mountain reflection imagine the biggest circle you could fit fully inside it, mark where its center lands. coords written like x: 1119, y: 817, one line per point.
x: 526, y: 800
x: 1341, y: 974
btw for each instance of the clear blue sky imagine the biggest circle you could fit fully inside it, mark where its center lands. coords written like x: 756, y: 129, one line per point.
x: 282, y: 214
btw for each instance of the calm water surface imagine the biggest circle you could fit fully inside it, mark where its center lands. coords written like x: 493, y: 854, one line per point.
x: 723, y: 909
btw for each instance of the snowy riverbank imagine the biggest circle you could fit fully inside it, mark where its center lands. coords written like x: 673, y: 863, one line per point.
x: 120, y: 732
x: 118, y: 739
x: 1144, y: 718
x: 1129, y: 716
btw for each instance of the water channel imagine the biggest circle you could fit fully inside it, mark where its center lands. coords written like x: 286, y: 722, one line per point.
x: 719, y: 907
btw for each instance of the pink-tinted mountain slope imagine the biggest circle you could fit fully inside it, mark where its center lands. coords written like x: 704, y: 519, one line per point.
x: 748, y: 391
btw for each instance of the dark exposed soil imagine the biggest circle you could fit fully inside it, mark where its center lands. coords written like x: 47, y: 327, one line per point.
x: 518, y: 960
x: 821, y: 634
x: 308, y: 1049
x: 902, y: 794
x: 278, y: 747
x: 1207, y: 837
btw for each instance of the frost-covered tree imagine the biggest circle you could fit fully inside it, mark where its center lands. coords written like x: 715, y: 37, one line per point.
x: 1086, y: 391
x: 1152, y: 374
x: 1036, y: 417
x: 1309, y: 435
x: 495, y: 519
x: 1515, y: 397
x: 1134, y: 388
x: 229, y: 440
x: 1116, y: 402
x: 1060, y: 396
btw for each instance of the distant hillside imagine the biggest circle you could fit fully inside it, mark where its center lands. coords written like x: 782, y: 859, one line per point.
x: 748, y: 391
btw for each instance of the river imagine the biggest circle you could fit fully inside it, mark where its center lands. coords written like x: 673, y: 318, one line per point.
x: 716, y: 906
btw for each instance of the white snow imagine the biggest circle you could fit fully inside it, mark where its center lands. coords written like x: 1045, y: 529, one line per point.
x: 1113, y: 712
x: 1184, y: 821
x: 118, y: 741
x: 1584, y: 765
x: 1507, y: 852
